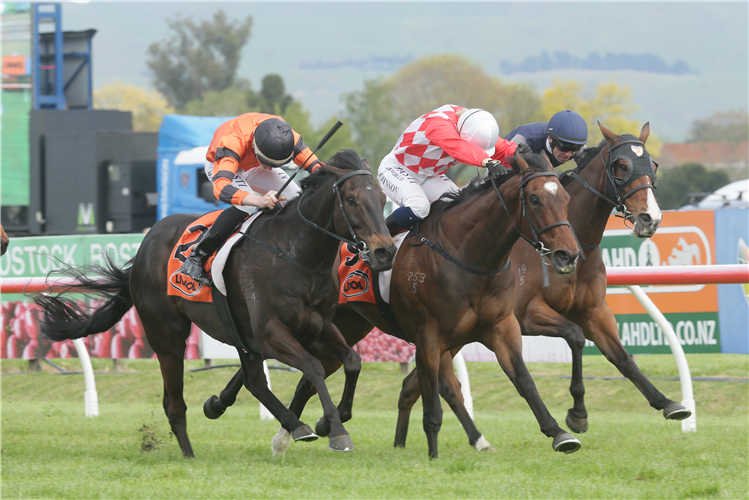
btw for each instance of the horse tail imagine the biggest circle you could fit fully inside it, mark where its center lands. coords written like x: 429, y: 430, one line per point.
x: 68, y: 318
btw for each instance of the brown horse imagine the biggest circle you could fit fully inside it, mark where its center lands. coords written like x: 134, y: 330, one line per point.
x: 574, y: 306
x: 280, y: 291
x: 3, y: 240
x: 452, y: 284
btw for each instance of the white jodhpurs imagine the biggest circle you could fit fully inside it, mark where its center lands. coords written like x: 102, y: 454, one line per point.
x: 260, y: 181
x: 409, y: 189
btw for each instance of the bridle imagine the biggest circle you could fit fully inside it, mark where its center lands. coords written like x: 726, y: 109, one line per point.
x: 355, y: 241
x: 535, y: 239
x: 613, y: 186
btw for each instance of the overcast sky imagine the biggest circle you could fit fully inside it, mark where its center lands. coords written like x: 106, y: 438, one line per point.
x: 324, y: 49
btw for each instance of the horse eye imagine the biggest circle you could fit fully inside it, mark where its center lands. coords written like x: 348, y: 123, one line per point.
x: 535, y: 200
x: 351, y: 200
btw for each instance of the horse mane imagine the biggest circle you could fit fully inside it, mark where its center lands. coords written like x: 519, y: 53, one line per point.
x: 345, y: 159
x: 480, y: 184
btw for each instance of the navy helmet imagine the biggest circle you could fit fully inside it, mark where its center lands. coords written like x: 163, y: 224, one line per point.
x: 568, y: 130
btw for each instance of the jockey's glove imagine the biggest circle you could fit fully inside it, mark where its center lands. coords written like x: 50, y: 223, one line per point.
x: 496, y: 167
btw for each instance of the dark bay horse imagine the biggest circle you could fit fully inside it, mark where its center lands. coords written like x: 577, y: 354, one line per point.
x: 574, y: 306
x: 452, y: 284
x: 3, y: 241
x: 282, y: 303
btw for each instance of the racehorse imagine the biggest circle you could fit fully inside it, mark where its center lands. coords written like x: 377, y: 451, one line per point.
x: 3, y: 240
x: 574, y: 306
x: 452, y: 284
x: 279, y: 287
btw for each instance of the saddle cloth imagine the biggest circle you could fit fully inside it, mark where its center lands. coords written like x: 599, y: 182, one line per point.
x: 357, y: 278
x: 181, y: 285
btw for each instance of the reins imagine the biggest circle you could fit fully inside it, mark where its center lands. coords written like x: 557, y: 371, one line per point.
x: 355, y: 241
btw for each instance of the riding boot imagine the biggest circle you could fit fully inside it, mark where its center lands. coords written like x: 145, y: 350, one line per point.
x: 401, y: 219
x: 222, y: 228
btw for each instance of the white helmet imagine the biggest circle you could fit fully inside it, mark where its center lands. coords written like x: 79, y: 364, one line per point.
x: 480, y: 128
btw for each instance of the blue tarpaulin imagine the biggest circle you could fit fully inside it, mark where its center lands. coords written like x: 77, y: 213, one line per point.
x: 178, y: 183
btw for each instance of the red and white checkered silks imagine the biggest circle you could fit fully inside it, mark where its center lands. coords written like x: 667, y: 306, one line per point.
x: 431, y: 144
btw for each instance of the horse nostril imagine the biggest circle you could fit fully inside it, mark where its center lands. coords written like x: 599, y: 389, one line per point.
x: 645, y: 219
x: 562, y: 257
x: 382, y: 254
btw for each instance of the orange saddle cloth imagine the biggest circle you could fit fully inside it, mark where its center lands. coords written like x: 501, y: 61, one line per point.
x: 181, y: 285
x: 355, y: 276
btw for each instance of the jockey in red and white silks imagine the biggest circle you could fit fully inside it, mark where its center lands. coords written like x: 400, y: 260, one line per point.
x: 413, y: 173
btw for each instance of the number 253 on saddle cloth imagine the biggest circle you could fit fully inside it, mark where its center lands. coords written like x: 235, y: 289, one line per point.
x: 355, y: 277
x: 181, y: 285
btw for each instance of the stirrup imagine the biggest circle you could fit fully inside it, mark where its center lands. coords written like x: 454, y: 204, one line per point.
x: 193, y: 267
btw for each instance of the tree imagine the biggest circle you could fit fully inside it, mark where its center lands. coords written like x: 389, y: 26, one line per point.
x: 233, y: 101
x: 722, y: 126
x: 611, y: 104
x: 273, y: 98
x: 198, y: 58
x: 676, y: 184
x: 147, y: 106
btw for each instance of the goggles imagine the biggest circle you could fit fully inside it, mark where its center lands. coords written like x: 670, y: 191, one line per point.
x: 565, y: 147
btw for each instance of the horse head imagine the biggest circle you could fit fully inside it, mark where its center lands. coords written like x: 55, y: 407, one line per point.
x: 630, y: 179
x: 360, y: 204
x: 544, y: 203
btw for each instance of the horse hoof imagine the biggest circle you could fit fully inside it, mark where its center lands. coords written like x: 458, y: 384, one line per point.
x: 566, y: 443
x: 322, y: 428
x: 208, y: 407
x: 576, y: 425
x: 303, y: 433
x: 483, y: 445
x: 340, y: 443
x: 676, y: 411
x: 281, y: 442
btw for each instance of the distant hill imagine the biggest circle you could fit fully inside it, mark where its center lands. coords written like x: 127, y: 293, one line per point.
x: 647, y: 63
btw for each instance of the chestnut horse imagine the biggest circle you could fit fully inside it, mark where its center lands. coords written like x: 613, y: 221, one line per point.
x: 574, y: 306
x: 452, y: 284
x: 280, y: 291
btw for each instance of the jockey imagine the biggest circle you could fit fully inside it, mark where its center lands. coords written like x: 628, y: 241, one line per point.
x: 243, y: 157
x: 564, y: 135
x: 413, y: 173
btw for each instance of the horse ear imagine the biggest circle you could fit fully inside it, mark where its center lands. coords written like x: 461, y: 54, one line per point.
x: 608, y: 134
x: 366, y: 164
x: 548, y: 162
x: 329, y: 169
x: 521, y: 161
x: 645, y: 132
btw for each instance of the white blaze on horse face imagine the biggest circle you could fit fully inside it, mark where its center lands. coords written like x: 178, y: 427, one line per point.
x: 654, y: 210
x: 551, y: 187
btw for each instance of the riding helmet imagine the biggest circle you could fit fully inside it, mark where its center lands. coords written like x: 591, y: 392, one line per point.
x: 480, y: 128
x: 273, y: 141
x: 567, y: 126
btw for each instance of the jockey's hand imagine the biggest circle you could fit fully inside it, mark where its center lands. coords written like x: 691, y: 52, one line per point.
x: 524, y: 149
x: 495, y: 167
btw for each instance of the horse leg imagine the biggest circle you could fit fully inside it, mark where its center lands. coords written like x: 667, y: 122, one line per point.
x: 169, y: 343
x: 449, y: 389
x: 602, y: 330
x: 428, y: 354
x: 215, y: 406
x: 280, y: 344
x: 256, y: 382
x: 540, y: 319
x: 505, y: 341
x: 330, y: 344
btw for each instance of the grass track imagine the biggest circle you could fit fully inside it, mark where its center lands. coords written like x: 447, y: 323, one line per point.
x: 50, y: 450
